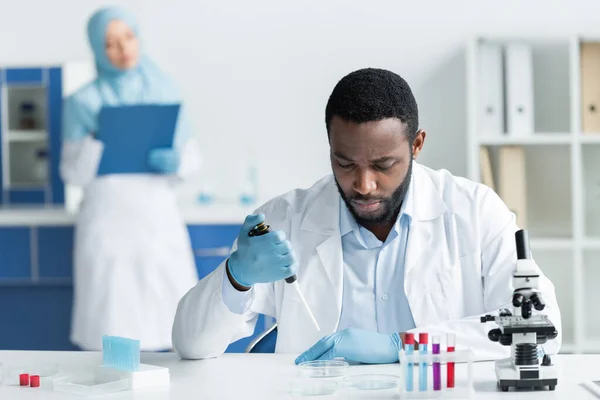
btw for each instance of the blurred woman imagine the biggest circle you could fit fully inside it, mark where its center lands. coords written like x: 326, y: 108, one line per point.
x: 133, y: 258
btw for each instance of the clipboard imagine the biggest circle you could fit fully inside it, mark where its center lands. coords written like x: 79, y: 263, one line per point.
x: 130, y: 132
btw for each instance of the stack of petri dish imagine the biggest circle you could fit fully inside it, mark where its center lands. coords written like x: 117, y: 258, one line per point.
x: 326, y: 377
x: 318, y: 378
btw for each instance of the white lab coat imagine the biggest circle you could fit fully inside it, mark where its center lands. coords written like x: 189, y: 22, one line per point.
x: 459, y: 263
x: 133, y: 258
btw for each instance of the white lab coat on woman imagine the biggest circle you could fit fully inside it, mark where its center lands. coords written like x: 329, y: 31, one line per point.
x: 460, y: 258
x: 133, y: 258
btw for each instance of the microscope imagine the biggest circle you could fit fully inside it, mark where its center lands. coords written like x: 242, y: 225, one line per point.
x: 522, y: 331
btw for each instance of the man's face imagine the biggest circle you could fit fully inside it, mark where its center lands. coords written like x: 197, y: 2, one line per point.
x: 372, y: 165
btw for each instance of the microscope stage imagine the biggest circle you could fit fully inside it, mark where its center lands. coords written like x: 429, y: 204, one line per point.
x: 516, y: 324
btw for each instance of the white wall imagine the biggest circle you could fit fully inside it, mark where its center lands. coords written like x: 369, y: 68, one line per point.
x: 261, y: 71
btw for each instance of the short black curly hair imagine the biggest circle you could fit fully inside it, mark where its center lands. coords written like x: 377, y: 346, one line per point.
x: 373, y: 94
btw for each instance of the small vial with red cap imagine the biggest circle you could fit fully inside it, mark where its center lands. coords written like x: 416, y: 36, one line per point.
x: 24, y: 379
x: 409, y: 347
x: 34, y: 381
x: 423, y: 342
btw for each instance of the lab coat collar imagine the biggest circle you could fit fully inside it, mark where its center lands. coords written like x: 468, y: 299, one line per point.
x: 323, y: 218
x: 428, y: 207
x: 427, y: 200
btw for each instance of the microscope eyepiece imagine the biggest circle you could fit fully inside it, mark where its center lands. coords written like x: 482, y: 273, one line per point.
x: 522, y: 242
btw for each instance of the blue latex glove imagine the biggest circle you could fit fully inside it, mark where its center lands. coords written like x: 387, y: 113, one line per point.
x: 261, y: 259
x: 164, y: 160
x: 357, y: 345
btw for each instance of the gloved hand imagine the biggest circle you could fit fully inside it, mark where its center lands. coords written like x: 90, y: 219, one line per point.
x: 355, y: 345
x: 261, y: 259
x: 164, y: 160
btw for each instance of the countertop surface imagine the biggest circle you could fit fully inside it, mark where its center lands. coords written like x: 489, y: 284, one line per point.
x: 271, y: 376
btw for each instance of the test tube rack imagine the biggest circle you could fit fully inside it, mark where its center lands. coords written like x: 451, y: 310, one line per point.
x: 412, y: 368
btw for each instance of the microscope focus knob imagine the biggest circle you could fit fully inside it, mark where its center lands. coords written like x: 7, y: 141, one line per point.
x: 494, y: 335
x: 506, y: 339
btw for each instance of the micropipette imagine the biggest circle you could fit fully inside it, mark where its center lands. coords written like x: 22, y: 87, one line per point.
x: 262, y: 229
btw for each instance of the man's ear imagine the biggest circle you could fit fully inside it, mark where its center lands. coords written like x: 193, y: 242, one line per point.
x: 418, y: 143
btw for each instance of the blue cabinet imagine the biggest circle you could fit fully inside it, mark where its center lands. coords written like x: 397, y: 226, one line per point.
x: 36, y: 317
x: 55, y: 252
x: 15, y: 254
x: 24, y: 76
x: 212, y: 245
x: 30, y: 135
x: 36, y: 269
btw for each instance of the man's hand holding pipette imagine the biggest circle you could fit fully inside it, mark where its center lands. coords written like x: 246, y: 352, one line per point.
x: 260, y: 259
x: 263, y: 256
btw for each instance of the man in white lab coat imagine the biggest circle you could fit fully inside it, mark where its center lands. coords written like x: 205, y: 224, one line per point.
x: 382, y: 247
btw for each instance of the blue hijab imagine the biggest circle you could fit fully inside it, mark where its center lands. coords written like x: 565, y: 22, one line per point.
x: 144, y: 83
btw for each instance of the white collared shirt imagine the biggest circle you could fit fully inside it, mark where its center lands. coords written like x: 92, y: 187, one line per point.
x: 374, y: 297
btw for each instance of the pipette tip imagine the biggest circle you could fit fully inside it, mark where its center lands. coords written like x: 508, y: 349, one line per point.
x: 312, y: 317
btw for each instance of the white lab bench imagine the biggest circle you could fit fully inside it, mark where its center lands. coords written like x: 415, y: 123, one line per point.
x: 55, y: 215
x: 36, y: 268
x: 267, y: 376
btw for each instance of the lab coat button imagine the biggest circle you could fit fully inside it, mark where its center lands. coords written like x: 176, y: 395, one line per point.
x: 384, y: 297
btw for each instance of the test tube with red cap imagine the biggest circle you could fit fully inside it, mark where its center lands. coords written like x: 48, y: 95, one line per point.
x: 423, y: 341
x: 409, y: 347
x: 451, y: 342
x: 24, y: 379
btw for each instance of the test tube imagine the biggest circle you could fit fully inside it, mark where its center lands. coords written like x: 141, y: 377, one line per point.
x: 423, y: 340
x: 451, y: 341
x: 409, y: 347
x: 437, y: 378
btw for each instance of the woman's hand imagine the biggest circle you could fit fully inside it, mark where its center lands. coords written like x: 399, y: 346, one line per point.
x: 164, y: 160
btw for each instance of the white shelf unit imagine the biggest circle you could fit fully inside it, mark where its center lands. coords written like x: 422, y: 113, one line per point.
x: 562, y: 172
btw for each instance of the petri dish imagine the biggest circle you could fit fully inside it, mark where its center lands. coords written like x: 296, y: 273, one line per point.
x: 323, y: 369
x: 313, y: 387
x: 372, y: 382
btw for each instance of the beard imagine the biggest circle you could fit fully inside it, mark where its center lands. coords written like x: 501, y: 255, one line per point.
x: 390, y: 206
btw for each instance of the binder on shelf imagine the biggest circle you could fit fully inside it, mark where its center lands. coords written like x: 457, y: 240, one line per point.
x: 512, y: 185
x: 590, y: 87
x: 491, y: 89
x: 487, y: 176
x: 519, y: 89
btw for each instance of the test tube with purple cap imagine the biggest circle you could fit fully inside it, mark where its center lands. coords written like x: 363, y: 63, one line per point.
x: 437, y: 370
